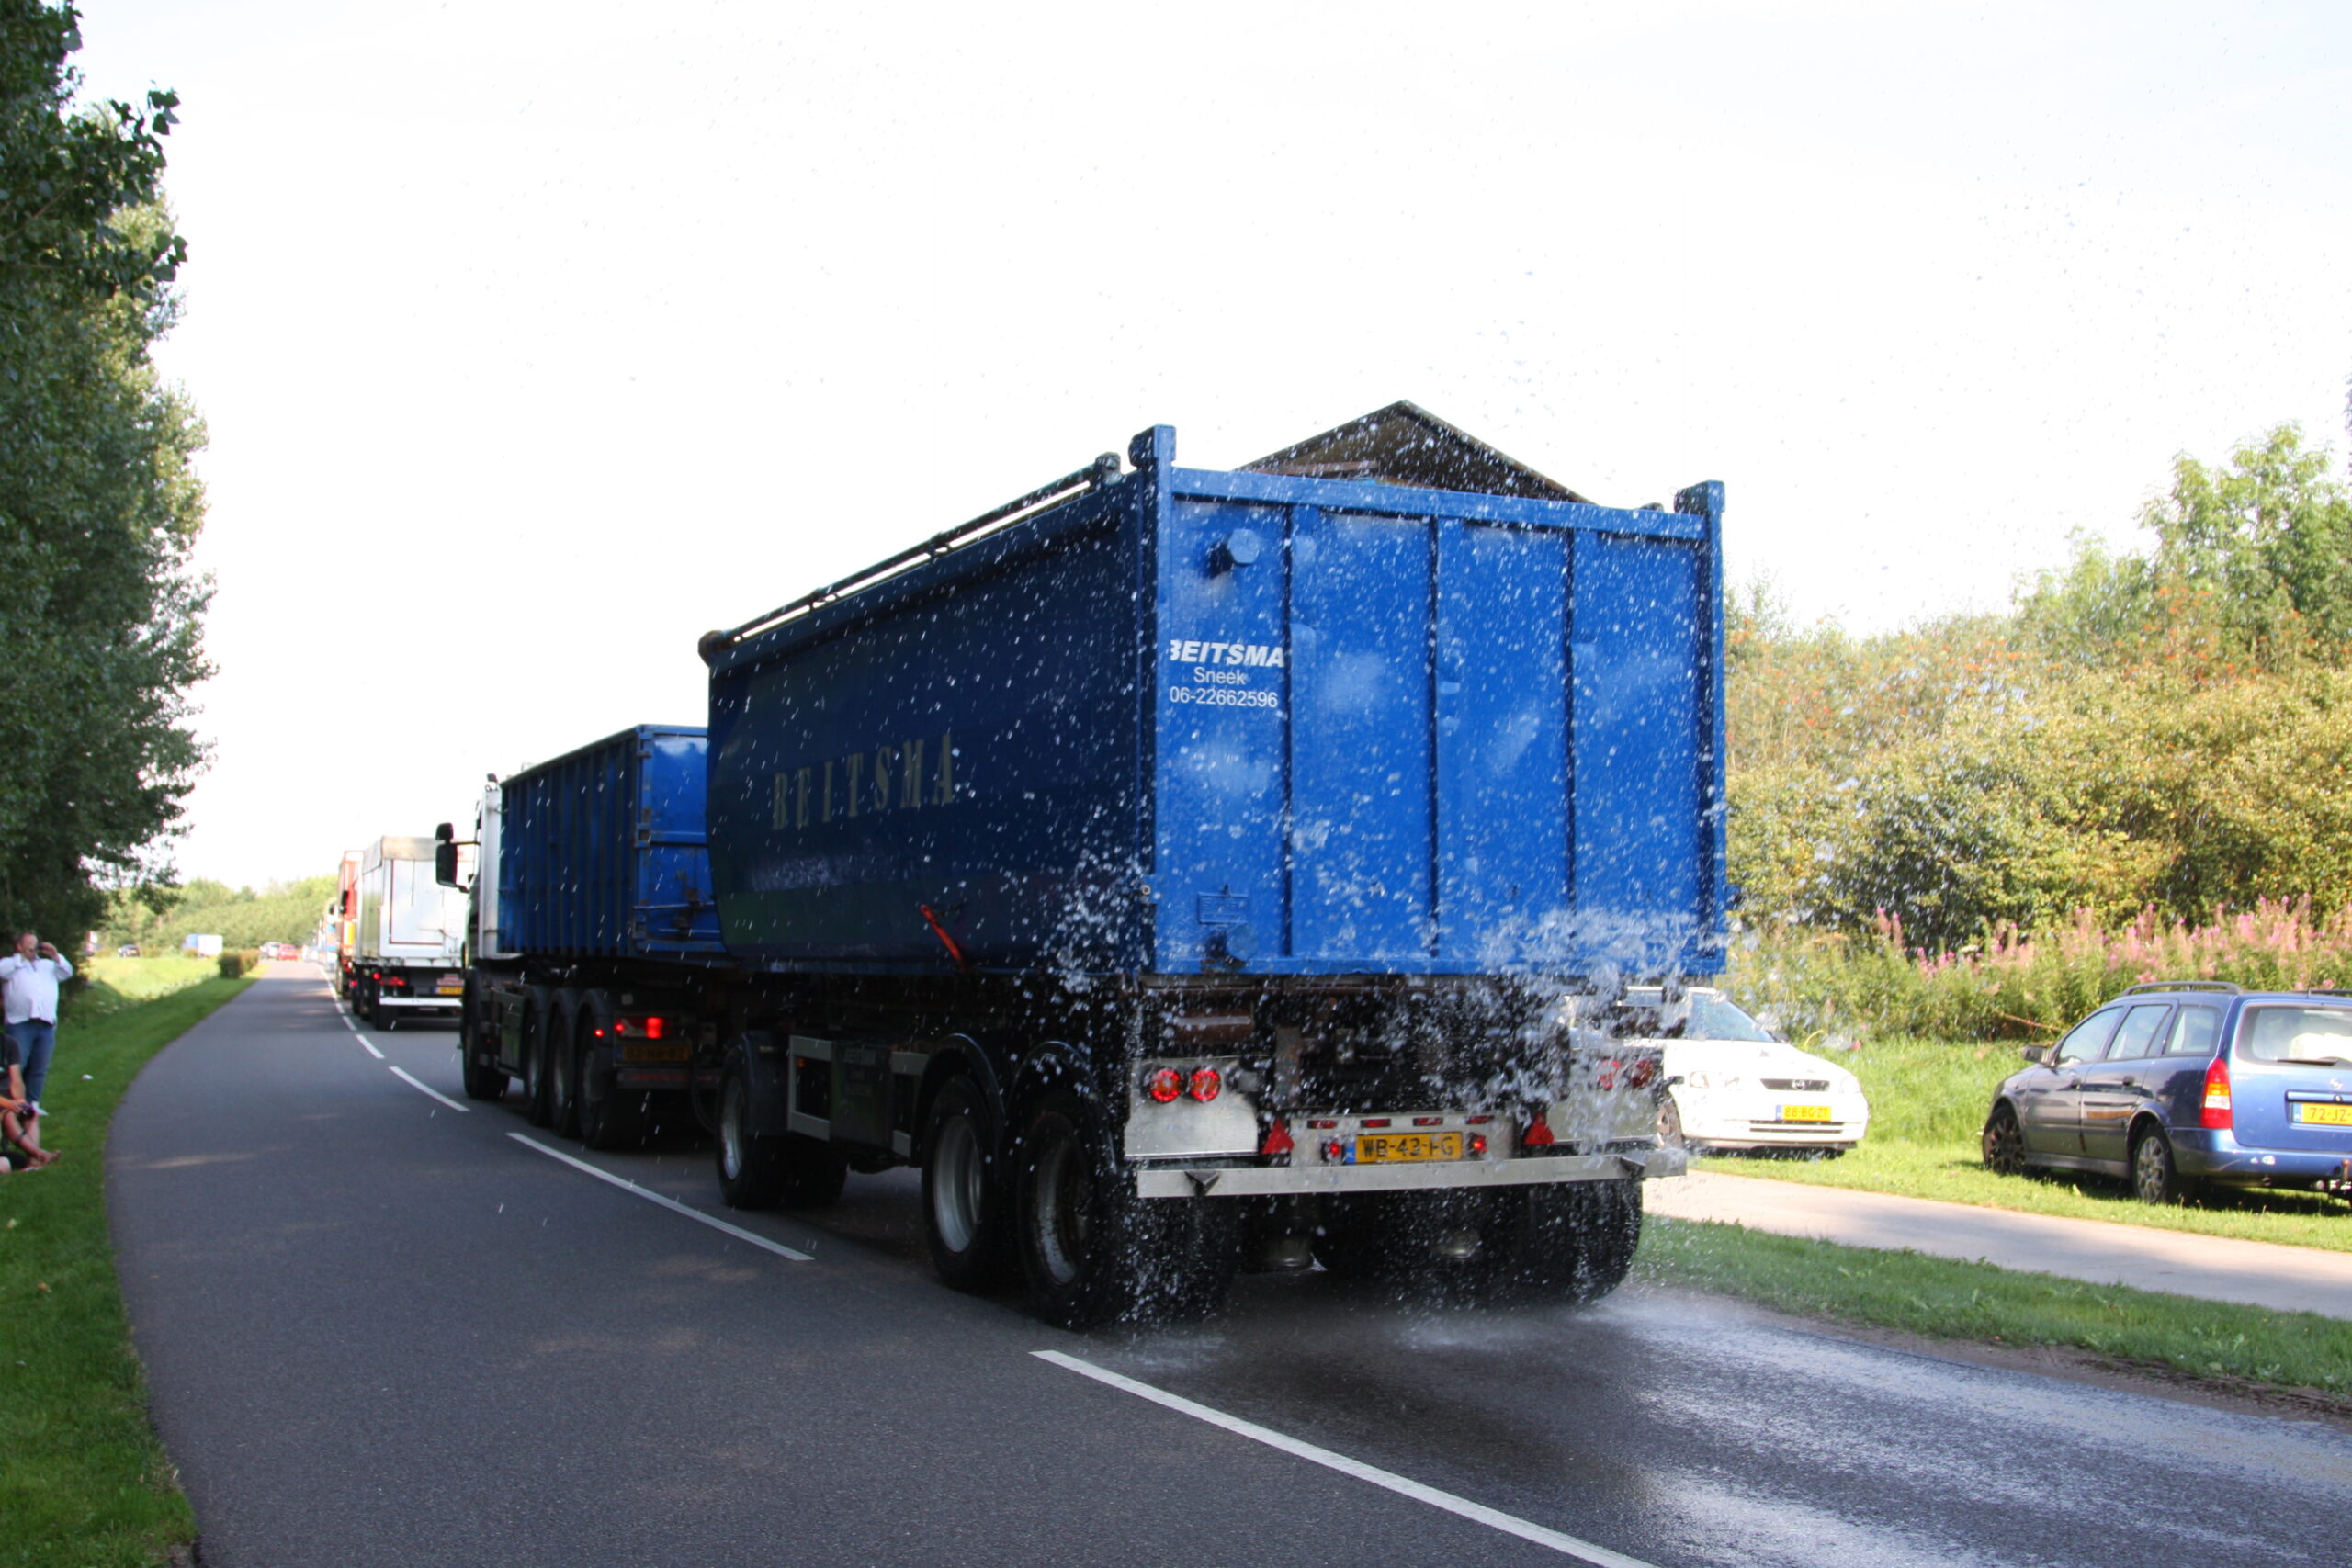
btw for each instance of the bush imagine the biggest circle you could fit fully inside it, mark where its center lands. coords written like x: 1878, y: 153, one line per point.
x: 240, y: 961
x: 2021, y: 985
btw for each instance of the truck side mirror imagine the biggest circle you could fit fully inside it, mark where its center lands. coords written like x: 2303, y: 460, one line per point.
x: 445, y: 854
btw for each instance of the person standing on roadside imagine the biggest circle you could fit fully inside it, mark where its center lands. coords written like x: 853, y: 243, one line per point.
x: 31, y: 976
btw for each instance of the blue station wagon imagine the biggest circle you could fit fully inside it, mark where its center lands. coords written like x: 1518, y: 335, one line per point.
x: 2180, y: 1083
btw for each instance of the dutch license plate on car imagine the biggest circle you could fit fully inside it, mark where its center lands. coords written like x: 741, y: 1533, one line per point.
x: 452, y: 986
x: 1804, y: 1113
x: 2326, y: 1115
x: 1386, y: 1148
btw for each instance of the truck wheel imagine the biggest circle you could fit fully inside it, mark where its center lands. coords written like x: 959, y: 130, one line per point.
x: 563, y: 1066
x: 750, y: 1167
x: 540, y: 1105
x: 1091, y: 1251
x: 484, y: 1080
x: 610, y: 1116
x: 963, y: 1204
x: 1576, y: 1238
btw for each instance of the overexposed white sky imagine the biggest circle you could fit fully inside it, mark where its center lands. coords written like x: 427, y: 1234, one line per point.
x: 535, y: 339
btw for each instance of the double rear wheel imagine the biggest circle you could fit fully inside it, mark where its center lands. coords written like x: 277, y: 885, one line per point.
x: 1091, y: 1250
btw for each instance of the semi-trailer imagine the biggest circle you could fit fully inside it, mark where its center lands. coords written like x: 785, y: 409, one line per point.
x: 1186, y: 870
x: 404, y: 949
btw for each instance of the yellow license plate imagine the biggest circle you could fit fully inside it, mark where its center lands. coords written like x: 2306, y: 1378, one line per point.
x: 655, y: 1053
x: 1804, y: 1113
x: 2328, y: 1115
x: 1386, y: 1148
x: 453, y: 988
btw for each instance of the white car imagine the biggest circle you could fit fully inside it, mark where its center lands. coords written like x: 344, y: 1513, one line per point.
x: 1732, y: 1084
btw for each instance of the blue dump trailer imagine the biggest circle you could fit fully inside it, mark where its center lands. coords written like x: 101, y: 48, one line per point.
x: 1187, y: 870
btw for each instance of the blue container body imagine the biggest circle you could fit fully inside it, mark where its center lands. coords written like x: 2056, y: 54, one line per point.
x: 1236, y: 723
x: 602, y: 855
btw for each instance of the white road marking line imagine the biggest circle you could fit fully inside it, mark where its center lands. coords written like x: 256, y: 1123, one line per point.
x: 738, y: 1231
x: 371, y: 1050
x: 1477, y: 1513
x: 433, y: 1093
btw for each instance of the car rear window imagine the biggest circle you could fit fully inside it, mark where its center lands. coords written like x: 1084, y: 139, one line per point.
x: 2194, y: 1031
x: 2296, y: 1034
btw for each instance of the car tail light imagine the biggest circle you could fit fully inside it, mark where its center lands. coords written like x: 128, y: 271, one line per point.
x: 1206, y: 1084
x: 1277, y: 1139
x: 1164, y: 1084
x: 1538, y: 1135
x: 2216, y: 1111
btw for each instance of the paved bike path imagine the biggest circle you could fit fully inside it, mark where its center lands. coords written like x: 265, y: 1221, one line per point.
x: 2213, y: 1267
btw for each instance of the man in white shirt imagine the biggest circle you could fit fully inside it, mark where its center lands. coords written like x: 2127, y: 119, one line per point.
x: 31, y: 975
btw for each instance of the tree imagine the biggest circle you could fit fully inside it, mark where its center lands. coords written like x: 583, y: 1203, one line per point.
x: 98, y: 505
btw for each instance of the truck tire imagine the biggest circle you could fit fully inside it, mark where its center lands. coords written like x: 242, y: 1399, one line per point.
x: 1093, y: 1252
x: 484, y: 1078
x: 750, y: 1167
x: 1571, y: 1238
x: 537, y: 1103
x: 563, y: 1064
x: 963, y: 1191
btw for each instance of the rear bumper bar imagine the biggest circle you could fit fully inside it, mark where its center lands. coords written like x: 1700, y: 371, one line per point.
x: 1298, y: 1180
x: 446, y: 1004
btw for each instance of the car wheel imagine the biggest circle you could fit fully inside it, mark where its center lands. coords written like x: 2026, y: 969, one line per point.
x: 1670, y: 1126
x: 2155, y: 1178
x: 2004, y: 1142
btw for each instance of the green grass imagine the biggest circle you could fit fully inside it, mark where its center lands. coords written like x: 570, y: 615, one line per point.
x: 83, y: 1480
x: 1928, y: 1101
x: 117, y: 983
x: 1945, y: 1299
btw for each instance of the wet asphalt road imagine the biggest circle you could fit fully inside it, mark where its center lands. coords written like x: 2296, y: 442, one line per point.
x: 382, y: 1330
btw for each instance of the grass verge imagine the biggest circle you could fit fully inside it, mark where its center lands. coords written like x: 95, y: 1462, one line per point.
x: 2246, y: 1346
x: 83, y: 1479
x: 1927, y: 1102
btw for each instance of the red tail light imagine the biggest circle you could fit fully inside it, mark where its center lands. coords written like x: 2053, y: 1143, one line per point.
x: 643, y: 1028
x: 1277, y: 1139
x: 1477, y: 1143
x: 1164, y: 1084
x: 1206, y: 1084
x: 1538, y: 1135
x: 2216, y: 1111
x: 1642, y: 1073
